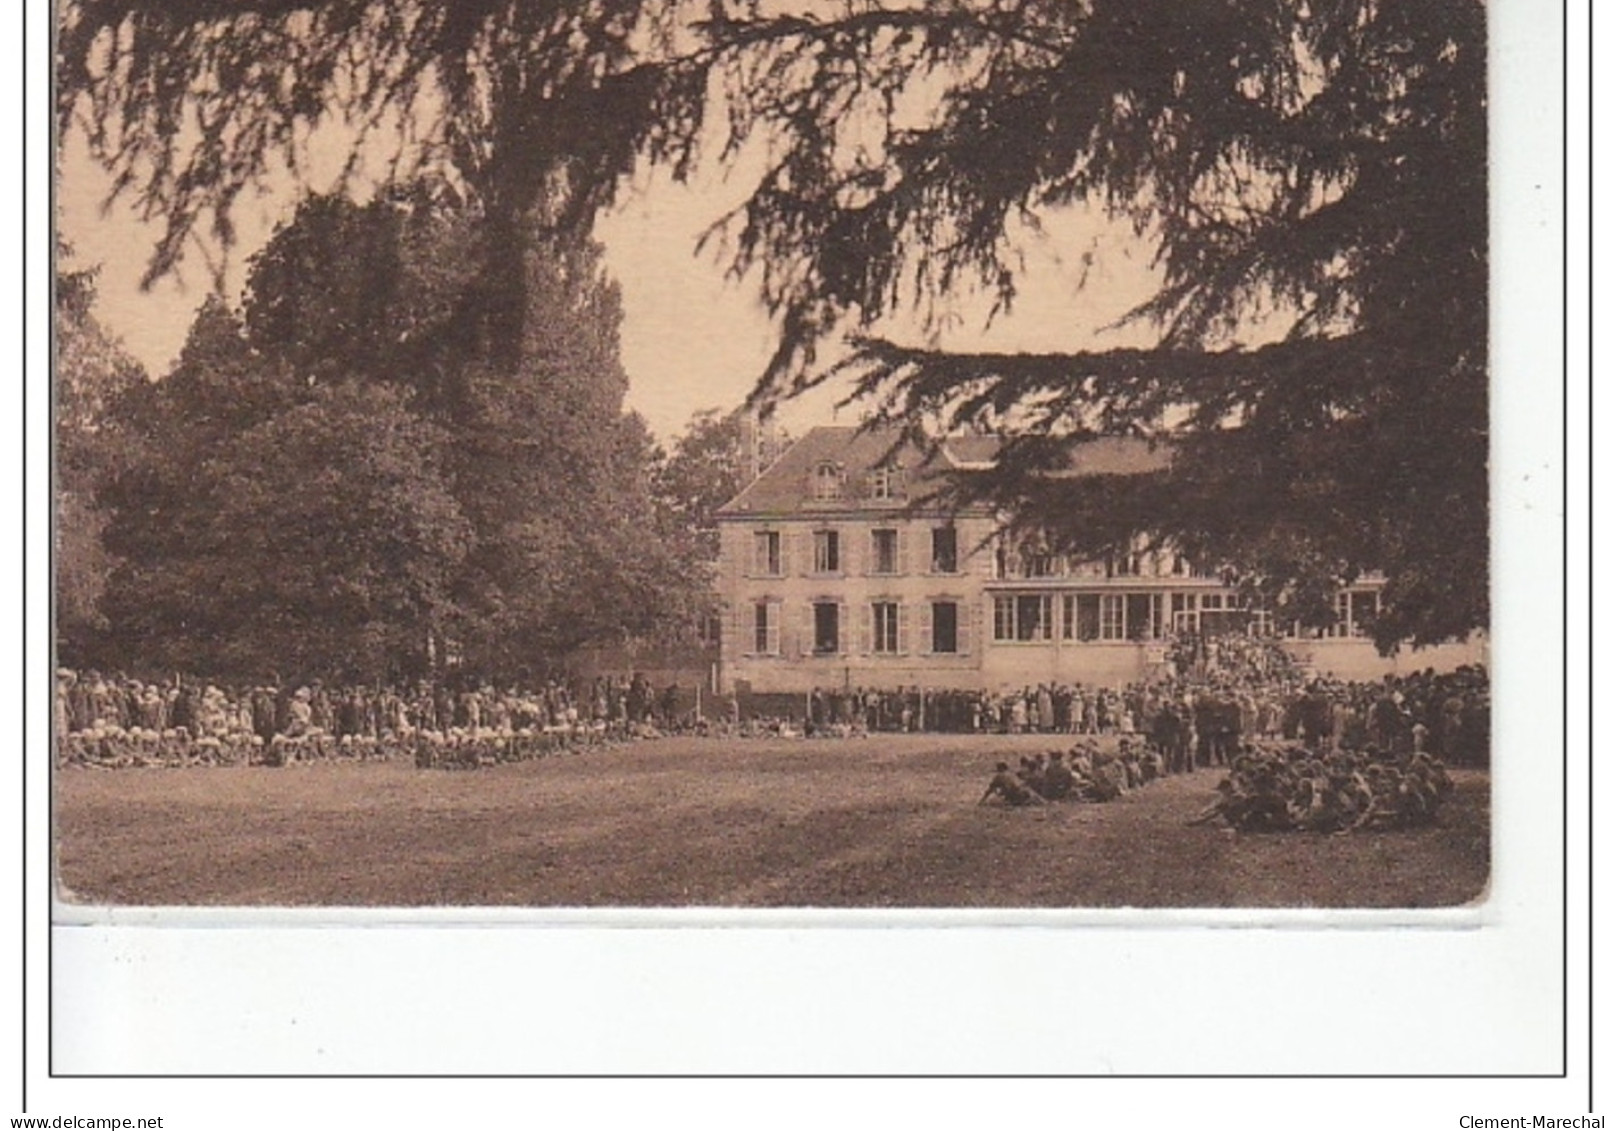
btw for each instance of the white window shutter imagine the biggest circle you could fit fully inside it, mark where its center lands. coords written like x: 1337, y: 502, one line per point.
x: 969, y: 618
x: 774, y: 611
x: 843, y: 630
x: 867, y: 639
x: 849, y: 549
x: 902, y: 627
x: 900, y: 565
x: 804, y: 640
x: 927, y: 641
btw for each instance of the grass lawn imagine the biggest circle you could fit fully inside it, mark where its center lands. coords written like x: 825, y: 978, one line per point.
x: 888, y: 821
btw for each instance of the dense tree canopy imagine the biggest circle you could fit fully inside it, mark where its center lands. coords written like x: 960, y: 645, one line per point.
x: 1315, y: 169
x: 334, y: 481
x: 706, y: 466
x: 92, y: 373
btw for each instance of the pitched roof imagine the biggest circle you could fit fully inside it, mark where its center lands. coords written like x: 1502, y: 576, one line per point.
x: 1116, y: 455
x: 787, y: 486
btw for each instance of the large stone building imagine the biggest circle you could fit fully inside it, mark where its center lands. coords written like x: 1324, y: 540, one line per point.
x: 830, y: 577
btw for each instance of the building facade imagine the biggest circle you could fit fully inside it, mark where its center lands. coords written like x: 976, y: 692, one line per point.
x: 831, y: 578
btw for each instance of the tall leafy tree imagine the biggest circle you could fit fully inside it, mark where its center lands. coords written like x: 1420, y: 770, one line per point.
x: 254, y: 523
x: 336, y: 539
x: 266, y: 522
x: 1319, y: 166
x: 92, y: 373
x: 541, y: 464
x: 160, y: 502
x: 704, y: 470
x: 708, y: 465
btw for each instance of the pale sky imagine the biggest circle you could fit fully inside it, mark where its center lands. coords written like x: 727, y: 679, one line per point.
x: 691, y: 338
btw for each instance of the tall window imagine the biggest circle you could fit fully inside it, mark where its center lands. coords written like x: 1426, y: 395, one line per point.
x: 1143, y: 616
x: 827, y: 481
x: 765, y: 628
x: 826, y: 551
x: 885, y: 551
x: 826, y: 628
x: 944, y: 549
x: 1081, y: 617
x: 944, y: 626
x: 884, y: 617
x: 1112, y: 617
x: 1023, y: 617
x: 1034, y: 617
x: 1185, y: 618
x: 765, y: 557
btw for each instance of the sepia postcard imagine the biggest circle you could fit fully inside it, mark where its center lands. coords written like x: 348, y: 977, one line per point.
x: 640, y: 469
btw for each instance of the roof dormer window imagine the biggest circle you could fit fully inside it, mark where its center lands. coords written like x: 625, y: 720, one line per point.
x: 886, y: 482
x: 827, y: 480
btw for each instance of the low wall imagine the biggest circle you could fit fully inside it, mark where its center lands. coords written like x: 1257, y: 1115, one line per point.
x: 802, y: 675
x: 1011, y: 666
x: 1005, y: 667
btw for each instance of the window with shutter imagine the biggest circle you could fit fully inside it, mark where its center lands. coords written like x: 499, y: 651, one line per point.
x: 826, y: 628
x: 766, y: 553
x: 944, y: 626
x: 885, y: 626
x: 826, y: 551
x: 775, y: 612
x: 927, y: 627
x: 883, y: 551
x: 759, y: 627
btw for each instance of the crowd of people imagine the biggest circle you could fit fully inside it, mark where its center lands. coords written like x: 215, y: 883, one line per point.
x: 1317, y: 755
x: 1244, y: 693
x: 1237, y: 703
x: 116, y: 721
x: 1282, y: 788
x: 1092, y: 773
